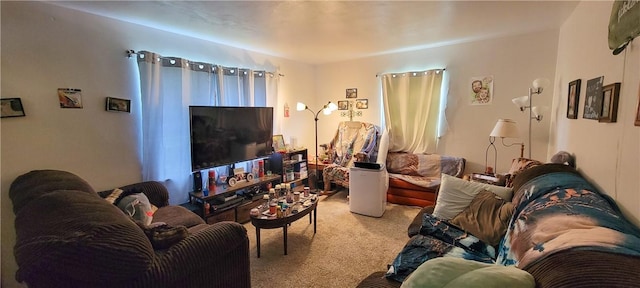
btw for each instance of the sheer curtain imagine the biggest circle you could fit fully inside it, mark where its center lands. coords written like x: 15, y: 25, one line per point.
x: 168, y: 86
x: 413, y: 107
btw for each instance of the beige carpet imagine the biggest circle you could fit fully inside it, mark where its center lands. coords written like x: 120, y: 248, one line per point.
x: 346, y: 248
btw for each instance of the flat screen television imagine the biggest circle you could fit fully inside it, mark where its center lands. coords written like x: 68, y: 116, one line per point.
x: 226, y: 135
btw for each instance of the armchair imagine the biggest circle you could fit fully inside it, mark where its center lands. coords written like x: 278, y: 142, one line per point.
x: 353, y: 141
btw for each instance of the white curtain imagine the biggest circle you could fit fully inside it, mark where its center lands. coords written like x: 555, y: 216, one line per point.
x: 413, y: 107
x: 168, y: 86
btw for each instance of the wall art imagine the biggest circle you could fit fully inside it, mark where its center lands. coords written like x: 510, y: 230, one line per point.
x: 610, y: 96
x: 343, y: 105
x: 70, y: 98
x: 593, y: 99
x: 11, y: 107
x: 573, y: 99
x: 362, y: 103
x: 352, y: 93
x: 481, y: 92
x: 119, y: 105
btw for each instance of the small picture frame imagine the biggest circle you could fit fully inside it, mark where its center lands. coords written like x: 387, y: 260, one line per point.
x: 573, y: 99
x: 70, y: 98
x: 278, y: 143
x: 118, y: 105
x: 352, y: 93
x: 343, y: 105
x: 362, y: 103
x: 11, y: 107
x: 610, y: 96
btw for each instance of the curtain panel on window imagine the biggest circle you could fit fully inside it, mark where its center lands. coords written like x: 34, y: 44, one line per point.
x: 413, y: 107
x: 168, y: 86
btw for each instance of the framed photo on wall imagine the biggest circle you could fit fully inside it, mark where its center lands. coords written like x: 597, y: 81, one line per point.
x: 593, y: 99
x: 362, y: 103
x: 352, y: 93
x: 343, y: 105
x: 610, y: 95
x: 11, y: 107
x: 119, y: 105
x: 70, y: 98
x: 573, y: 99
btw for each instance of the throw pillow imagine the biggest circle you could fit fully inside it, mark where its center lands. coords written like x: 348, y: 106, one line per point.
x: 517, y: 166
x: 449, y: 272
x: 487, y: 217
x: 455, y: 195
x: 138, y: 207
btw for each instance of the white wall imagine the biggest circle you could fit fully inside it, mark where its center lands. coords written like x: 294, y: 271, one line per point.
x: 45, y: 47
x: 514, y: 62
x: 607, y: 153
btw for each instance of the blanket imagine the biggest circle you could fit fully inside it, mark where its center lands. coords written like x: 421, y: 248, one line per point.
x: 438, y: 238
x: 558, y: 211
x: 423, y: 169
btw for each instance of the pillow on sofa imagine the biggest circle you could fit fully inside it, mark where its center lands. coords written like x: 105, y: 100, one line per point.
x: 456, y: 272
x: 455, y: 195
x: 517, y: 166
x: 138, y: 207
x: 487, y: 217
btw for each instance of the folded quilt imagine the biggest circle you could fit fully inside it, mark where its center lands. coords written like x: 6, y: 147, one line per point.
x: 438, y: 238
x: 559, y: 211
x: 423, y: 169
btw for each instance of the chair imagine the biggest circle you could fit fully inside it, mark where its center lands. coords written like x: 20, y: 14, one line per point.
x: 353, y: 142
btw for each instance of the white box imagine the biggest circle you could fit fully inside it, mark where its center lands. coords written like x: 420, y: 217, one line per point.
x: 368, y: 191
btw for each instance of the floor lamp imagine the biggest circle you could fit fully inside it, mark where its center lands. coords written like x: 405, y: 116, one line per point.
x: 524, y: 102
x: 327, y: 108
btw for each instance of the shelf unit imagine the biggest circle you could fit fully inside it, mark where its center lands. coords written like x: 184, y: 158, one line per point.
x: 227, y: 205
x: 291, y: 163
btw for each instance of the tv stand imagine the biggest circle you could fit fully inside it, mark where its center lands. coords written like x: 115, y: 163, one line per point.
x: 226, y: 205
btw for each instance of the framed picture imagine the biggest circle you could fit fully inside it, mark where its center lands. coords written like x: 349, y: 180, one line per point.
x: 610, y: 95
x: 70, y: 98
x: 362, y: 104
x: 481, y: 92
x: 343, y: 105
x: 119, y: 105
x: 352, y: 93
x: 637, y: 122
x: 278, y: 142
x: 593, y: 99
x: 573, y: 99
x: 11, y: 107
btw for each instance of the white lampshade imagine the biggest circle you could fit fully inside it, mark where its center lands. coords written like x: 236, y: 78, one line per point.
x: 300, y: 106
x: 538, y: 111
x: 522, y: 102
x: 541, y: 83
x: 332, y: 106
x: 505, y: 128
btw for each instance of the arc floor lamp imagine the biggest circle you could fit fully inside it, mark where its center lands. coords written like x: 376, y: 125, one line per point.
x: 326, y: 109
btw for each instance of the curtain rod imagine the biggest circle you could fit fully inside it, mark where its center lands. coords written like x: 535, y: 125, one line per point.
x: 443, y: 69
x: 130, y: 54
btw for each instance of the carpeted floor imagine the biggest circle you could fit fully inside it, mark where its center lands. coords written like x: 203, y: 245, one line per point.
x: 346, y: 248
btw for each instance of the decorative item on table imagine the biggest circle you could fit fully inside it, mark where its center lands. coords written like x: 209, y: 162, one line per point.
x: 239, y: 175
x: 610, y: 95
x: 505, y: 128
x: 11, y: 107
x: 524, y: 102
x: 278, y: 143
x: 327, y: 109
x: 306, y: 190
x: 212, y: 180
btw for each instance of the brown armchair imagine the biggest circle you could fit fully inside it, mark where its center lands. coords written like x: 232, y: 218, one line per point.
x: 68, y: 236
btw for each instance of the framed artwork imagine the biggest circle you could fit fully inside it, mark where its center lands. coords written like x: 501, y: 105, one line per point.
x: 352, y: 93
x: 11, y: 107
x: 573, y: 99
x: 593, y: 99
x: 610, y: 96
x: 343, y: 105
x: 278, y: 142
x: 70, y: 98
x: 481, y: 90
x: 119, y: 105
x: 637, y: 122
x: 362, y: 103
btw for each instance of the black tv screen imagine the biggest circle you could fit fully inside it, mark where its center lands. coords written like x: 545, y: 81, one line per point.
x: 226, y: 135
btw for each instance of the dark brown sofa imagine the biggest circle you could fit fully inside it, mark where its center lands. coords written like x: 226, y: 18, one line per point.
x: 69, y: 236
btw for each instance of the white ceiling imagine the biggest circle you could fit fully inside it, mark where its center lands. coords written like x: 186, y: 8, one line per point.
x: 327, y: 31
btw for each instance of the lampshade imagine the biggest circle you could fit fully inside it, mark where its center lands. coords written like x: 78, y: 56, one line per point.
x: 538, y: 111
x: 505, y: 128
x: 541, y: 83
x: 300, y: 106
x: 332, y: 106
x: 522, y: 102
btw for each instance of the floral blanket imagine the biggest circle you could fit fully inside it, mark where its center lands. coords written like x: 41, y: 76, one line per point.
x: 438, y: 238
x: 423, y: 169
x: 559, y: 211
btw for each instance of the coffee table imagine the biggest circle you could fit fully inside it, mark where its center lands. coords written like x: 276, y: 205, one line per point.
x: 263, y: 221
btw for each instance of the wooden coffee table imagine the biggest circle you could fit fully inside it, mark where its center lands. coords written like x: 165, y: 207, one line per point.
x: 272, y: 222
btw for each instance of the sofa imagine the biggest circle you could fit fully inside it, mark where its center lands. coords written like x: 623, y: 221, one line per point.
x: 556, y: 229
x: 414, y: 179
x: 68, y: 235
